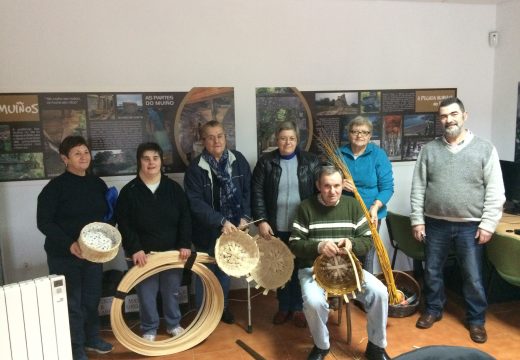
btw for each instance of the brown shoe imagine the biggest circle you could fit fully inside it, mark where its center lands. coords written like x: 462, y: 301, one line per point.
x: 426, y: 320
x: 280, y: 317
x: 299, y: 319
x: 477, y: 333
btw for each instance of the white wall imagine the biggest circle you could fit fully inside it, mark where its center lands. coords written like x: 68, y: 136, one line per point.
x: 164, y: 45
x: 507, y: 77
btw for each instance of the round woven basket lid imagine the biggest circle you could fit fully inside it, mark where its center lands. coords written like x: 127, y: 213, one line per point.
x: 336, y: 274
x: 236, y: 253
x: 276, y: 263
x: 99, y: 242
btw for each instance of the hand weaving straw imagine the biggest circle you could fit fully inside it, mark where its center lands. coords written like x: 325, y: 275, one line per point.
x: 329, y: 146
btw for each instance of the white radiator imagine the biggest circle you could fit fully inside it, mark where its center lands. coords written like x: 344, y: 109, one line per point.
x: 34, y: 320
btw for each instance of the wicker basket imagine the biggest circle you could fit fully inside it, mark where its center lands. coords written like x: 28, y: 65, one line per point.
x: 236, y: 253
x: 336, y: 274
x: 275, y: 266
x: 99, y: 242
x: 411, y: 290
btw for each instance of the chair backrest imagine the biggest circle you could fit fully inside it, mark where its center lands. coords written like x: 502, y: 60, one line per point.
x: 503, y: 252
x: 400, y: 232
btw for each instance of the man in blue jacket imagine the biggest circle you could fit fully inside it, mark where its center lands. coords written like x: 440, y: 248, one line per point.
x: 218, y: 186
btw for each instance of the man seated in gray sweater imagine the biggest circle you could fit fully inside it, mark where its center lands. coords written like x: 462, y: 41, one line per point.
x: 457, y: 198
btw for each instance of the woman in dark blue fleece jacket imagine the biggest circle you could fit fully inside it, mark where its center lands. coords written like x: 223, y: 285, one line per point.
x: 66, y: 204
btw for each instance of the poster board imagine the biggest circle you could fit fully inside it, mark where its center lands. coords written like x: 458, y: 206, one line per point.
x: 32, y: 127
x: 403, y: 119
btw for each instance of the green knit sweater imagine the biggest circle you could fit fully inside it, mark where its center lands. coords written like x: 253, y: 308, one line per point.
x: 316, y: 222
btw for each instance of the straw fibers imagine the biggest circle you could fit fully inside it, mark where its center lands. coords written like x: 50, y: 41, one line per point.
x: 330, y: 147
x: 338, y: 275
x: 275, y: 266
x: 236, y: 253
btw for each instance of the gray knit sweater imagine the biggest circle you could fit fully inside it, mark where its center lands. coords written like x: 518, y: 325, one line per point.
x: 461, y: 183
x: 288, y: 194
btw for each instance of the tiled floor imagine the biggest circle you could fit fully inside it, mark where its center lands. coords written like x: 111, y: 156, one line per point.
x: 289, y: 342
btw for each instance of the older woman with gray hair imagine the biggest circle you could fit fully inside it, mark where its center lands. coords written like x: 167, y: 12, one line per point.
x: 371, y: 173
x: 218, y: 186
x: 281, y: 180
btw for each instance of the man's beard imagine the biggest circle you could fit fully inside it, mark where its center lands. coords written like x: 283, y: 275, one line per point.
x: 453, y: 131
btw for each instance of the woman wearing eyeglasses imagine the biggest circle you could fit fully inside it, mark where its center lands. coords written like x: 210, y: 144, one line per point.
x: 281, y: 180
x: 371, y: 171
x: 218, y: 186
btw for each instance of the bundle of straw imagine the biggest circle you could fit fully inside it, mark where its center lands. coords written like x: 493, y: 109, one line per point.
x: 330, y: 147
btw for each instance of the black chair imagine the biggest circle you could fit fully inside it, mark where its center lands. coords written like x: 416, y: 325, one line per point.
x: 400, y: 232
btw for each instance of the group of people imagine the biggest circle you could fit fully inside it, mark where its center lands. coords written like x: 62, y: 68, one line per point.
x: 306, y: 204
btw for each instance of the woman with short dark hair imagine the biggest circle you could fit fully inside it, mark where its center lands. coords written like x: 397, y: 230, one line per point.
x: 153, y: 215
x: 65, y: 205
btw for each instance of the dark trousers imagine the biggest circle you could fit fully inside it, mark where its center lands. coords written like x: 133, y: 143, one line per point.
x: 84, y: 281
x: 223, y: 279
x: 290, y: 296
x: 440, y: 236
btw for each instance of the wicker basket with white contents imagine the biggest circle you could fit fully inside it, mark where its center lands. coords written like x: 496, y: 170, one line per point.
x: 236, y: 253
x: 99, y: 242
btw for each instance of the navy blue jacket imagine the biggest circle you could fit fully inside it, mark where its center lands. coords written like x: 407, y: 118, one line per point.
x: 198, y: 184
x: 66, y: 204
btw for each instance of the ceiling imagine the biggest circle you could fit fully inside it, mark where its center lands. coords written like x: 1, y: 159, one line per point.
x: 489, y: 2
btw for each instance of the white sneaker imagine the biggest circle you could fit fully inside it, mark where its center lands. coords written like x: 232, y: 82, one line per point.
x: 175, y: 331
x: 149, y: 337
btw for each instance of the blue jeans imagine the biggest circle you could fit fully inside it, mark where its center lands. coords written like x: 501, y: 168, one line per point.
x: 290, y: 296
x: 368, y: 261
x: 373, y: 295
x: 84, y: 282
x: 222, y: 278
x: 440, y: 236
x: 168, y: 283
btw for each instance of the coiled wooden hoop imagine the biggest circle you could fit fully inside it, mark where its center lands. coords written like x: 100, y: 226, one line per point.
x: 200, y: 328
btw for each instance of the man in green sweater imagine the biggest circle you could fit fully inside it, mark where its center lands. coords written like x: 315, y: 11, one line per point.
x: 457, y: 197
x: 325, y: 224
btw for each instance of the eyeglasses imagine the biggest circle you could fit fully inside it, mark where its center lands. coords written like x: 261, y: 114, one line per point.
x: 288, y: 139
x: 213, y: 138
x: 360, y: 132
